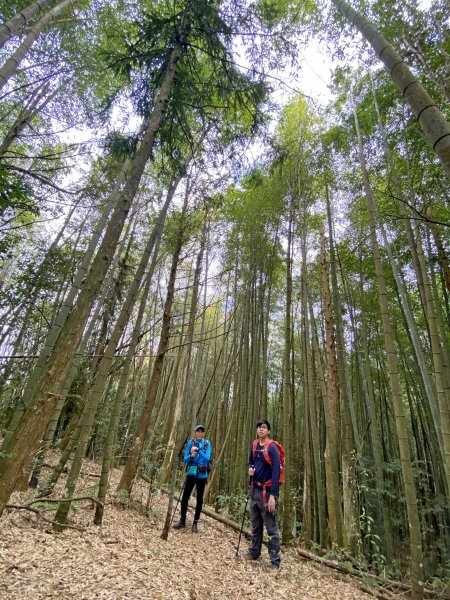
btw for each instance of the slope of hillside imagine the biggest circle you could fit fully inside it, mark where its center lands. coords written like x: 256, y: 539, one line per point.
x: 127, y: 559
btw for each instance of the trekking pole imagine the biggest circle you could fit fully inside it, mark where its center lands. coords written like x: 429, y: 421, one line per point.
x: 182, y: 489
x: 178, y: 501
x: 243, y: 518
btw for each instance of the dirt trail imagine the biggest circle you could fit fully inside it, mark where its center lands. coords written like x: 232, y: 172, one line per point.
x: 126, y: 559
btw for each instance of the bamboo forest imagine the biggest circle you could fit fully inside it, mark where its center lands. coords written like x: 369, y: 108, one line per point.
x: 190, y: 233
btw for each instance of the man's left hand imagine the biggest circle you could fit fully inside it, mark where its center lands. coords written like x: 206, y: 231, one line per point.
x: 272, y: 504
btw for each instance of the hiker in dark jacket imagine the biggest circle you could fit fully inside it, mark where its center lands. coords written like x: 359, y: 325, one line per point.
x: 197, y: 456
x: 264, y: 496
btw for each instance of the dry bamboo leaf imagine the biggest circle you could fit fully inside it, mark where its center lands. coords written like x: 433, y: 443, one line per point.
x: 125, y: 558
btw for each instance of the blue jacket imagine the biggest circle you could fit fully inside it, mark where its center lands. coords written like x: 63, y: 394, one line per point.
x: 202, y: 457
x: 263, y: 470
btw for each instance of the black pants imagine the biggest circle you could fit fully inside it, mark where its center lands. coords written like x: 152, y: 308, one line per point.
x: 200, y: 484
x: 260, y: 517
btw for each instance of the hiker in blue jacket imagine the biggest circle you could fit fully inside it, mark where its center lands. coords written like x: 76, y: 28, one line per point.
x: 265, y: 476
x: 197, y: 456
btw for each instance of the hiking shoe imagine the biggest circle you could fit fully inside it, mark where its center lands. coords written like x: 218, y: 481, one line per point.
x: 248, y: 556
x: 179, y: 524
x: 194, y: 527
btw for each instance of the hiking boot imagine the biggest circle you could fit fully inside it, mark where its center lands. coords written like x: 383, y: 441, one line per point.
x: 194, y: 527
x: 179, y: 524
x: 274, y: 569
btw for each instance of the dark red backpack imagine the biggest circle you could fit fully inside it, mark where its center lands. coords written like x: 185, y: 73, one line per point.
x: 266, y: 455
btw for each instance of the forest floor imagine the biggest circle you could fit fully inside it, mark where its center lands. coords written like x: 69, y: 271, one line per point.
x: 126, y: 558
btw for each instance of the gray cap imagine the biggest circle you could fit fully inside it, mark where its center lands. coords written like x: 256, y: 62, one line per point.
x: 200, y: 427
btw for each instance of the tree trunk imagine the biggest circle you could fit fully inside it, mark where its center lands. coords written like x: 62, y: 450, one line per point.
x: 131, y: 466
x: 185, y: 358
x: 15, y: 25
x: 422, y: 278
x: 434, y: 126
x: 288, y: 509
x: 121, y: 388
x: 26, y: 115
x: 399, y: 412
x: 13, y: 62
x: 311, y: 420
x: 331, y: 410
x: 350, y: 438
x: 38, y: 413
x: 441, y: 254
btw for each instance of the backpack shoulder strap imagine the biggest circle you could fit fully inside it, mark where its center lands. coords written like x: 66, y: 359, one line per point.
x: 275, y: 443
x: 279, y: 447
x: 190, y: 441
x: 266, y: 451
x: 254, y: 444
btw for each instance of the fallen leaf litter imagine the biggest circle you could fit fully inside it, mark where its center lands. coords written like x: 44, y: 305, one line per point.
x: 126, y: 559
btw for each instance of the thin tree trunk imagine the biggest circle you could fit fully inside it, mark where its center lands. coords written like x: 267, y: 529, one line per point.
x: 26, y: 115
x: 35, y: 420
x: 311, y: 428
x: 186, y: 351
x: 399, y: 412
x: 434, y: 126
x: 331, y: 412
x: 15, y: 25
x: 412, y: 328
x: 196, y: 382
x: 13, y: 62
x: 173, y: 481
x: 53, y: 334
x: 441, y: 254
x: 288, y: 509
x: 350, y: 438
x: 131, y: 466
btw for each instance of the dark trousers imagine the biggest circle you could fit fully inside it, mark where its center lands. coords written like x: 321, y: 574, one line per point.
x: 260, y: 517
x: 200, y: 484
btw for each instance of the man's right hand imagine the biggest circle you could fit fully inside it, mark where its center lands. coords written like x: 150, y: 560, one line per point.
x: 251, y: 471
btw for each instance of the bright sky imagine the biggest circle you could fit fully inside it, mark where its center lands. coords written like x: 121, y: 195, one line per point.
x: 315, y: 74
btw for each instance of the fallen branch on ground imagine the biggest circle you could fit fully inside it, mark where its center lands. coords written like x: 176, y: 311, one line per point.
x: 385, y: 589
x: 213, y: 514
x: 40, y: 515
x: 60, y: 500
x: 390, y: 587
x: 210, y: 512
